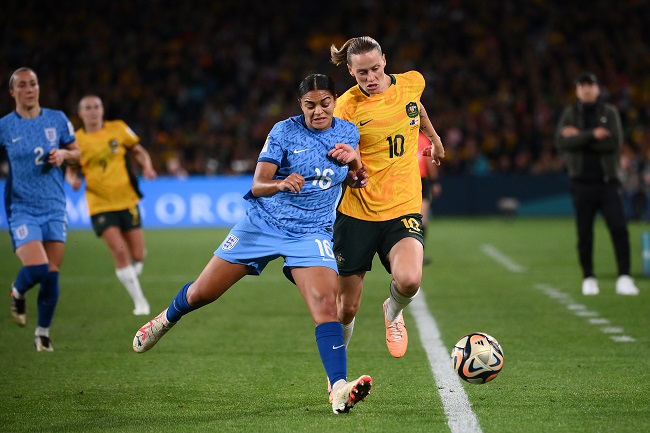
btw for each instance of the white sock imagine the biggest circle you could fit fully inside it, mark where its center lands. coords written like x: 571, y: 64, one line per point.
x: 129, y: 279
x: 42, y: 332
x: 396, y: 302
x: 138, y: 267
x: 347, y: 332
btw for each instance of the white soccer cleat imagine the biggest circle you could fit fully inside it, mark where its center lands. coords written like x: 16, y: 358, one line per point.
x: 18, y: 310
x: 149, y: 334
x: 590, y: 286
x: 625, y: 286
x: 43, y: 344
x: 346, y: 394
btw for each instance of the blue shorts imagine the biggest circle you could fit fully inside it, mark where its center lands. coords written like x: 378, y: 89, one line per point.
x: 253, y: 242
x: 25, y: 228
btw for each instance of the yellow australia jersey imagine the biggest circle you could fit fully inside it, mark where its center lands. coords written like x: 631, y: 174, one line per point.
x: 104, y: 165
x: 389, y: 125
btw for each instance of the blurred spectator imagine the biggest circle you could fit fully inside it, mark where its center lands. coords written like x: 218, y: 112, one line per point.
x: 635, y: 198
x: 208, y: 80
x: 590, y: 136
x: 173, y: 167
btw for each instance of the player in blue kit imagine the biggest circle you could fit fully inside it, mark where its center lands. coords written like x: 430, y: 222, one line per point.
x: 37, y: 141
x: 296, y: 187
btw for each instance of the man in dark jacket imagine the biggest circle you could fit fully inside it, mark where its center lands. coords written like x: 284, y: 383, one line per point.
x: 590, y: 136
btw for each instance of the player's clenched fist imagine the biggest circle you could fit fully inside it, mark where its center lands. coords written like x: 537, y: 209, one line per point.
x: 293, y: 183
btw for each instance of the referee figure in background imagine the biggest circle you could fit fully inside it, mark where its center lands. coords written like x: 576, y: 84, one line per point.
x: 590, y: 136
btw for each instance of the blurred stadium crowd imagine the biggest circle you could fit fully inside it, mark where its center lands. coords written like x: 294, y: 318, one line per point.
x: 202, y: 83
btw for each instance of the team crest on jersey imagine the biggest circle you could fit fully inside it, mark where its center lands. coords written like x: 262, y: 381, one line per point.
x: 113, y: 144
x: 230, y: 242
x: 21, y: 232
x: 412, y: 109
x: 50, y: 134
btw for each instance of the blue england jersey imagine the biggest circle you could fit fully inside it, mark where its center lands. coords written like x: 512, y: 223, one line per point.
x: 34, y: 186
x: 296, y: 148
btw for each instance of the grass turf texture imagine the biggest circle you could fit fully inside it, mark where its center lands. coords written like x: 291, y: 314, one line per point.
x: 249, y: 363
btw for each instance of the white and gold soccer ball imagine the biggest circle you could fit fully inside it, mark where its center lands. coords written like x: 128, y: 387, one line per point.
x: 477, y: 358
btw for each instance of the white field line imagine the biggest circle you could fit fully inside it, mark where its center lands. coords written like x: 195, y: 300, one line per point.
x: 502, y: 259
x: 460, y: 417
x: 616, y: 334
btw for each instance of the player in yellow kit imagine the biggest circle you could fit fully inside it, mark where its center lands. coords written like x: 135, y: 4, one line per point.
x: 384, y: 217
x: 112, y: 193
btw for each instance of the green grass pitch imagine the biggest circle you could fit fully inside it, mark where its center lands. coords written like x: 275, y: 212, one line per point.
x: 249, y: 362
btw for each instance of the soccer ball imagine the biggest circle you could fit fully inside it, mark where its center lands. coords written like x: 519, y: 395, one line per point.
x: 477, y: 358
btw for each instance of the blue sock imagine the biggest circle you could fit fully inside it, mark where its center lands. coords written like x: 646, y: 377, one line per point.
x: 329, y: 338
x: 179, y: 306
x: 48, y: 297
x: 28, y: 276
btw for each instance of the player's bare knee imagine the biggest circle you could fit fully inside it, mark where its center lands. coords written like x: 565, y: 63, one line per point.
x: 121, y: 257
x: 347, y: 312
x: 407, y: 285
